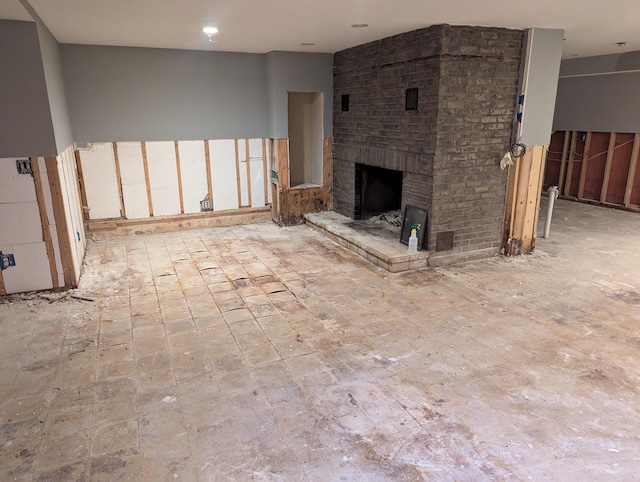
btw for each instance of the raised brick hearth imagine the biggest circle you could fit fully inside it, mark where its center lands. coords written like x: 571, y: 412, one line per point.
x: 449, y: 148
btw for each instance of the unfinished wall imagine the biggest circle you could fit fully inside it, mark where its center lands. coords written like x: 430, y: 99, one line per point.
x: 139, y: 180
x: 450, y: 146
x: 599, y: 94
x: 21, y: 231
x: 595, y: 167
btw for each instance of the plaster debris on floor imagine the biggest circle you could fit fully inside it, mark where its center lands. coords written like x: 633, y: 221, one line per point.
x: 263, y: 353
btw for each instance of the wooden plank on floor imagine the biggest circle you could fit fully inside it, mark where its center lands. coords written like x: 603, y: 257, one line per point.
x: 145, y: 165
x: 207, y: 158
x: 116, y: 160
x: 83, y: 192
x: 585, y: 163
x: 632, y: 170
x: 179, y: 172
x: 607, y: 167
x: 44, y: 219
x: 265, y: 172
x: 563, y: 159
x: 238, y: 184
x: 572, y: 155
x: 60, y: 220
x: 248, y: 160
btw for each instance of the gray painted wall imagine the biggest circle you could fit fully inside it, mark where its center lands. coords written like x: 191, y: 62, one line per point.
x: 25, y: 120
x: 50, y: 51
x: 133, y: 94
x: 298, y: 72
x: 600, y: 94
x: 542, y: 83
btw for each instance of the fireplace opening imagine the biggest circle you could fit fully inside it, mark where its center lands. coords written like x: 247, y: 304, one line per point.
x: 379, y: 190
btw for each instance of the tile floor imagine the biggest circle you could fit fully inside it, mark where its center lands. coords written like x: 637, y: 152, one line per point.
x: 260, y: 353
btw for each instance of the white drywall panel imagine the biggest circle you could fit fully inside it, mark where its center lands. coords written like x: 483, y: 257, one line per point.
x: 257, y: 173
x: 72, y: 208
x: 134, y: 187
x: 223, y: 173
x: 31, y: 271
x: 46, y: 191
x: 20, y: 223
x: 100, y: 181
x: 14, y: 187
x: 242, y: 157
x: 163, y: 178
x: 193, y: 170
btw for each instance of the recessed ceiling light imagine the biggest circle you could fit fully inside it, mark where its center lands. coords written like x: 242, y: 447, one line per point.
x: 360, y: 25
x: 307, y: 43
x: 621, y: 44
x: 210, y: 31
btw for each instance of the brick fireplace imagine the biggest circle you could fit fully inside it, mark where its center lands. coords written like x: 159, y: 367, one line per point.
x: 436, y: 105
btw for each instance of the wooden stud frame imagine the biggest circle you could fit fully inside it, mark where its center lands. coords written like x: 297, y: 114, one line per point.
x: 585, y: 164
x: 81, y: 189
x: 572, y: 153
x: 632, y: 170
x: 145, y: 165
x: 44, y: 218
x: 563, y: 160
x: 607, y: 167
x: 207, y: 157
x: 179, y: 173
x: 61, y: 222
x: 123, y: 213
x: 3, y: 291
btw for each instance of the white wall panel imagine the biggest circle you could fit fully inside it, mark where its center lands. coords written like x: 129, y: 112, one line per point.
x: 244, y: 189
x: 100, y: 181
x: 223, y: 174
x: 163, y: 178
x: 257, y: 173
x: 134, y: 188
x: 20, y: 223
x: 31, y: 271
x: 193, y: 171
x: 14, y: 187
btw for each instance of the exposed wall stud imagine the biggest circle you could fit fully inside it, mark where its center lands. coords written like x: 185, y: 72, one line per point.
x: 572, y: 155
x: 81, y: 189
x: 563, y: 160
x: 632, y: 170
x: 145, y: 165
x: 44, y: 218
x: 607, y: 167
x: 207, y: 157
x: 179, y: 172
x: 123, y: 212
x: 585, y: 163
x: 62, y: 229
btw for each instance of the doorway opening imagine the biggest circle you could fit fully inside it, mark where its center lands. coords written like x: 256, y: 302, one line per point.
x: 305, y: 139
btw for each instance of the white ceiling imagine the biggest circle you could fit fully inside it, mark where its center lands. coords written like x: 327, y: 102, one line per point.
x: 591, y: 26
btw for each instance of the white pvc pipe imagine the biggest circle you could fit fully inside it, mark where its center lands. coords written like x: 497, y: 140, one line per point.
x: 553, y: 195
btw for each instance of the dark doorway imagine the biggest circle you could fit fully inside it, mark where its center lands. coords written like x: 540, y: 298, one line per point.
x: 380, y: 190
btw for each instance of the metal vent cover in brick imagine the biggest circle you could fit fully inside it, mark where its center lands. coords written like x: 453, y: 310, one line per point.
x: 344, y: 102
x: 411, y: 99
x: 444, y: 241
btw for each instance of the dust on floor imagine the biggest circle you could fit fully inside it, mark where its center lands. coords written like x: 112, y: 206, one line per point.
x: 262, y: 353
